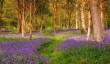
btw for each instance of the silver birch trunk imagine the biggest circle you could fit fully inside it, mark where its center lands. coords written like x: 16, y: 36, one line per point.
x: 76, y: 16
x: 96, y: 19
x: 89, y: 25
x: 23, y: 20
x: 83, y: 16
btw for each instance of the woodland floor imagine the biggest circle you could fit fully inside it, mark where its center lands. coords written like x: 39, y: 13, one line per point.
x: 62, y: 47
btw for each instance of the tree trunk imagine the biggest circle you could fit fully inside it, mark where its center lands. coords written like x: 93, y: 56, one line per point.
x: 69, y: 26
x: 54, y: 22
x: 55, y: 14
x: 83, y: 15
x: 59, y: 22
x: 41, y: 18
x: 89, y: 26
x: 69, y: 16
x: 77, y: 16
x: 106, y: 24
x: 30, y: 33
x: 96, y: 19
x: 23, y: 20
x: 1, y: 6
x: 19, y: 22
x: 102, y: 12
x: 0, y: 12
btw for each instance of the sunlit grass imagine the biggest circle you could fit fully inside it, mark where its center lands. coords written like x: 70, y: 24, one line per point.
x: 5, y: 39
x: 79, y: 55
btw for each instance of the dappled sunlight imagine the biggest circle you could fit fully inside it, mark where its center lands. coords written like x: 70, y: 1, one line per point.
x: 54, y: 31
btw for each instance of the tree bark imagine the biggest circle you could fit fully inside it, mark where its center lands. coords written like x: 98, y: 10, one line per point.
x: 69, y: 26
x: 55, y: 14
x: 23, y: 20
x: 0, y: 11
x: 89, y: 25
x: 83, y: 15
x: 1, y: 6
x: 77, y: 16
x: 19, y: 22
x: 69, y: 16
x: 96, y: 19
x: 59, y: 22
x: 102, y: 12
x: 30, y: 33
x: 41, y: 18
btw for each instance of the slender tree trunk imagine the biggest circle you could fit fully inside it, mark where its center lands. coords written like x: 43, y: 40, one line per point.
x: 23, y: 20
x: 83, y: 15
x: 102, y: 12
x: 106, y: 24
x: 54, y: 22
x: 19, y: 22
x: 77, y: 16
x: 89, y: 25
x: 79, y: 19
x: 34, y: 14
x: 96, y: 19
x: 0, y: 12
x: 55, y: 14
x: 69, y: 22
x: 59, y: 22
x: 41, y: 18
x: 69, y: 16
x: 1, y: 6
x: 30, y: 33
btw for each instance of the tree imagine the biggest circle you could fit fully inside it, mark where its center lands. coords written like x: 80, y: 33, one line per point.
x: 89, y: 25
x: 54, y: 4
x: 23, y: 19
x: 102, y: 12
x: 96, y: 19
x: 83, y: 2
x: 89, y: 20
x: 42, y: 9
x: 30, y: 31
x: 69, y: 7
x: 107, y: 13
x: 1, y: 6
x: 78, y: 16
x: 19, y: 12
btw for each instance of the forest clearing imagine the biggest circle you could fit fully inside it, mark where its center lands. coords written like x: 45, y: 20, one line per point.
x: 54, y: 32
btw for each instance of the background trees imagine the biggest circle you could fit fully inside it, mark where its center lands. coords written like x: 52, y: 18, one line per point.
x: 1, y: 9
x: 29, y: 15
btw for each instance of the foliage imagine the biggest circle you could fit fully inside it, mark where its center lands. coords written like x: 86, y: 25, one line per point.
x: 86, y: 54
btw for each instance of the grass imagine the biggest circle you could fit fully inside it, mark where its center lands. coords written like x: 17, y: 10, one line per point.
x: 4, y: 39
x: 49, y: 47
x: 83, y: 55
x: 47, y: 32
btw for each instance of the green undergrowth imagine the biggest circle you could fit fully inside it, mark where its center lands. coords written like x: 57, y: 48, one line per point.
x: 5, y: 39
x: 79, y: 55
x: 49, y: 47
x: 47, y: 32
x: 84, y: 55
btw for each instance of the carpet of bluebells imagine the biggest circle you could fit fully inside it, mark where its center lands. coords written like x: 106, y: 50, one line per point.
x: 20, y: 52
x: 77, y: 40
x: 24, y: 52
